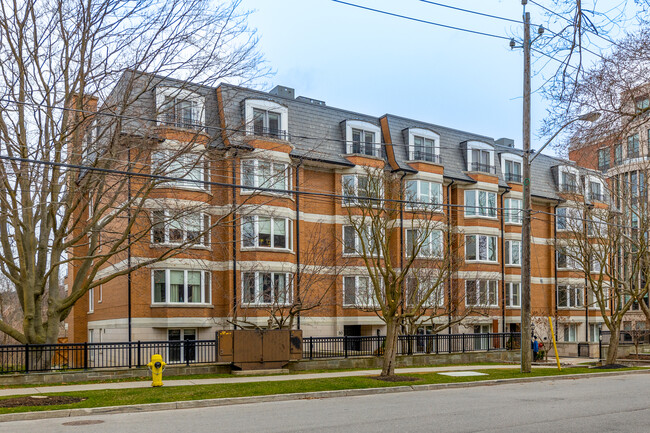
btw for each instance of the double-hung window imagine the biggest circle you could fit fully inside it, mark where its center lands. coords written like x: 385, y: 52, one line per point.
x: 358, y: 292
x: 513, y: 295
x: 603, y: 159
x: 512, y: 171
x: 618, y: 154
x: 188, y: 170
x: 481, y: 161
x: 361, y: 189
x: 570, y: 296
x: 181, y: 113
x: 265, y: 232
x: 267, y: 123
x: 566, y: 259
x: 172, y: 229
x: 633, y: 146
x: 480, y: 203
x: 567, y: 218
x: 267, y: 288
x: 429, y: 243
x: 171, y: 286
x: 481, y: 248
x: 265, y: 174
x: 513, y: 253
x: 512, y: 213
x: 363, y: 142
x: 422, y: 194
x: 481, y: 293
x: 569, y: 182
x: 355, y: 244
x: 570, y: 332
x: 424, y: 149
x: 425, y: 291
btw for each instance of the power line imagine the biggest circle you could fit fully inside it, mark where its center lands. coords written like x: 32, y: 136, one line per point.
x: 392, y: 14
x: 471, y: 11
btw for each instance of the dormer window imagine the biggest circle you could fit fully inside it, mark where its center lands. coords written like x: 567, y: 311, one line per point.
x: 180, y: 108
x: 511, y: 166
x: 642, y: 104
x: 568, y: 181
x: 266, y: 119
x: 424, y: 145
x: 595, y: 189
x: 480, y: 157
x: 362, y: 138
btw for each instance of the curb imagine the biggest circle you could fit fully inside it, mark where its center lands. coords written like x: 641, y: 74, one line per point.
x: 191, y: 404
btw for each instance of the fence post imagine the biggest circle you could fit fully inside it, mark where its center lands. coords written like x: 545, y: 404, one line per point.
x: 26, y: 358
x: 139, y: 355
x: 85, y: 355
x: 489, y: 341
x: 345, y: 345
x: 311, y: 347
x: 449, y: 338
x: 463, y: 341
x: 437, y: 342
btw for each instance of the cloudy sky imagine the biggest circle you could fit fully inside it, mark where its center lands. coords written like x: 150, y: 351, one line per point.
x: 372, y: 63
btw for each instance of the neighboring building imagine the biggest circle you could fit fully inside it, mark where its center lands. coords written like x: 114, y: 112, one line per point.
x: 310, y: 146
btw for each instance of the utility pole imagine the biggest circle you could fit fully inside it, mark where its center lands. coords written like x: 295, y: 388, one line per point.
x: 526, y: 354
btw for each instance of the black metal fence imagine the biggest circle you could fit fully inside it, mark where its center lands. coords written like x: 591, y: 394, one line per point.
x: 52, y: 357
x: 347, y: 346
x: 641, y: 336
x: 67, y: 356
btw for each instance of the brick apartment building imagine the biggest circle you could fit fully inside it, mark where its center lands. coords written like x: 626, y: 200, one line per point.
x: 312, y: 147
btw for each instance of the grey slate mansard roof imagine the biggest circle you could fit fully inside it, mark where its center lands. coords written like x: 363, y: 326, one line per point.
x: 315, y: 133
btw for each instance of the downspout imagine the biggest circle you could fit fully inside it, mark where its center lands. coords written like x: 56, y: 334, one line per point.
x: 503, y: 266
x: 451, y: 256
x: 555, y: 264
x: 234, y: 239
x: 298, y: 272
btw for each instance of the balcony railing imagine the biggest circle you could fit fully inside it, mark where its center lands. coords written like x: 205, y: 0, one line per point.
x: 170, y: 119
x: 604, y: 167
x: 571, y: 188
x: 633, y: 154
x: 278, y: 134
x: 596, y: 196
x: 512, y: 177
x: 429, y: 156
x: 484, y: 168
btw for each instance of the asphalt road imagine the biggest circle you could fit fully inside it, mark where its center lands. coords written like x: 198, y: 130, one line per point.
x: 614, y: 404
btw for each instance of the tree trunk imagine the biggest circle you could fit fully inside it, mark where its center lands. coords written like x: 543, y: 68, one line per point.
x: 612, y: 350
x: 390, y: 349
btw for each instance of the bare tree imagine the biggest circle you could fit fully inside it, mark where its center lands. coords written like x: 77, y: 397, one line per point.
x: 71, y: 100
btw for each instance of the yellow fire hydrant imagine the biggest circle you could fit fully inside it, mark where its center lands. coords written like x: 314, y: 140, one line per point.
x: 157, y: 365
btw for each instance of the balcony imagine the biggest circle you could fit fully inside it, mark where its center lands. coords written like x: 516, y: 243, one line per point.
x: 596, y: 196
x: 178, y: 121
x: 484, y: 168
x: 275, y: 133
x: 426, y: 155
x: 512, y: 177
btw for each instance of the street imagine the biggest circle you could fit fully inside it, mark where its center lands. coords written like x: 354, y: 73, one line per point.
x: 619, y: 403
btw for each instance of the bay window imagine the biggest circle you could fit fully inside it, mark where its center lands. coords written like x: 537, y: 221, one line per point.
x: 354, y: 244
x: 513, y: 295
x: 429, y: 244
x: 513, y: 253
x: 172, y: 286
x: 481, y: 247
x: 424, y: 291
x: 422, y: 194
x: 189, y: 170
x: 267, y: 288
x: 570, y: 296
x: 265, y: 174
x: 265, y: 232
x: 358, y: 189
x: 481, y: 293
x: 512, y: 213
x: 358, y: 292
x: 480, y: 203
x: 190, y: 228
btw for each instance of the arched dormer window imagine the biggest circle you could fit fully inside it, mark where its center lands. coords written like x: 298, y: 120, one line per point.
x: 424, y: 145
x: 568, y: 178
x: 480, y: 157
x: 266, y: 118
x: 511, y: 167
x: 180, y: 108
x: 362, y: 138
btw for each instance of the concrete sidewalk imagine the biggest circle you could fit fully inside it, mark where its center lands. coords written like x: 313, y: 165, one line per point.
x: 246, y: 379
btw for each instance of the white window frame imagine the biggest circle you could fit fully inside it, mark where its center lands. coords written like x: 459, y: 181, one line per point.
x: 487, y: 286
x: 371, y: 302
x: 266, y: 105
x: 513, y: 290
x: 570, y: 332
x: 477, y: 145
x: 365, y: 127
x: 203, y: 238
x: 512, y: 158
x: 575, y: 298
x: 478, y: 258
x: 476, y: 210
x: 179, y: 95
x: 512, y: 214
x: 426, y: 135
x: 437, y: 296
x: 288, y: 226
x: 571, y: 263
x: 354, y: 199
x: 570, y: 170
x: 206, y: 288
x: 434, y: 241
x: 511, y: 259
x: 197, y: 178
x: 259, y: 181
x: 431, y: 201
x: 258, y: 298
x: 570, y: 214
x: 91, y: 300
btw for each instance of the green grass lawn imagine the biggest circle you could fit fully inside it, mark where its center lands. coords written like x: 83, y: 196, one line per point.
x: 197, y: 392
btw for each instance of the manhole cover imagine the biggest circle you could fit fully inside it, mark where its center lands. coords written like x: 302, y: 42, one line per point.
x: 83, y: 422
